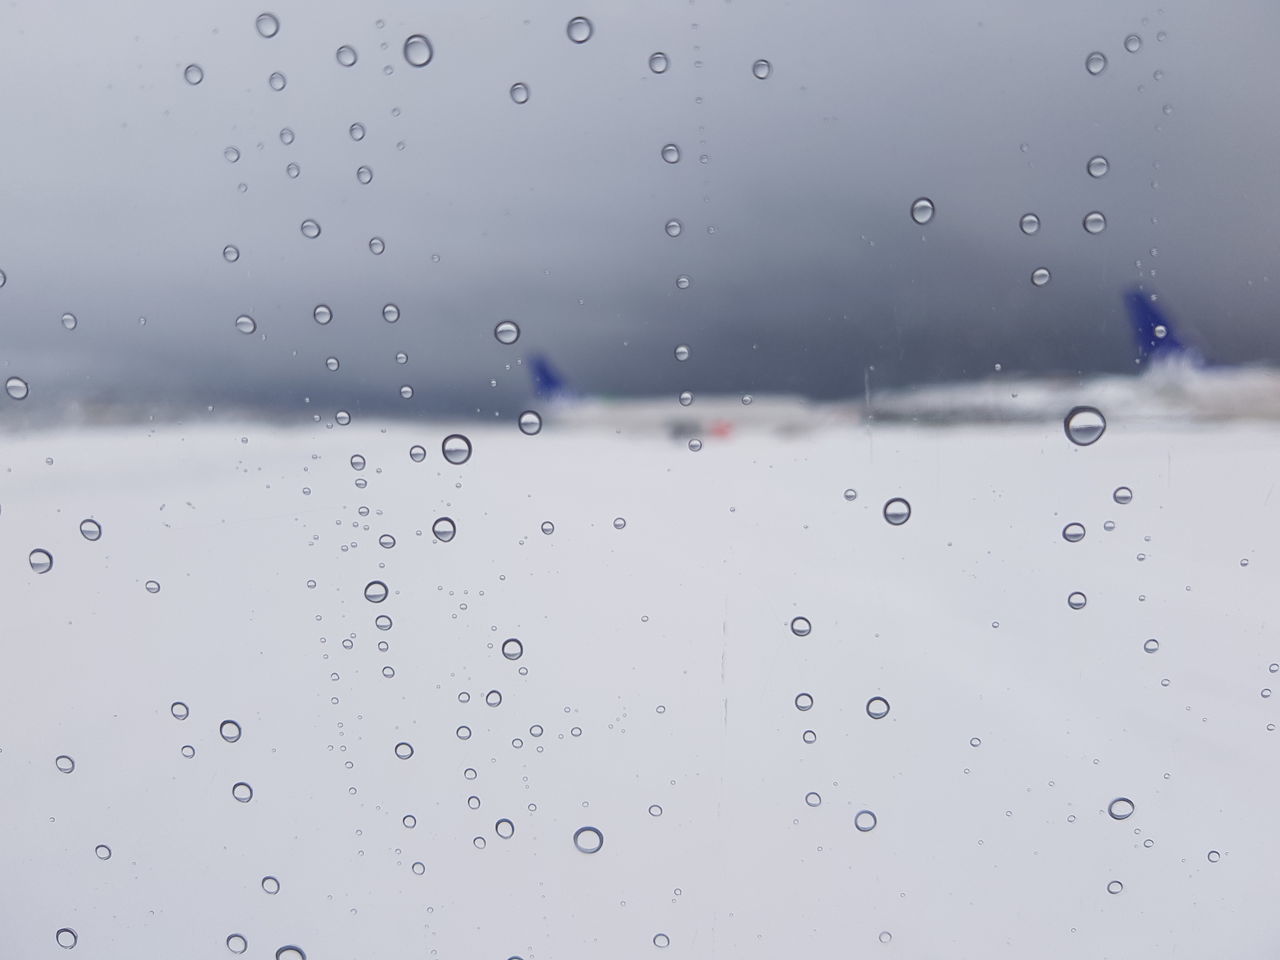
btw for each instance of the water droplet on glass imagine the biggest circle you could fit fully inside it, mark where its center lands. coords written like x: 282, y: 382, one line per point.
x: 456, y: 448
x: 193, y: 74
x: 619, y: 523
x: 404, y: 750
x: 246, y: 323
x: 286, y: 136
x: 530, y: 423
x: 322, y: 314
x: 579, y: 29
x: 1029, y: 224
x: 493, y: 698
x: 1214, y: 856
x: 682, y: 282
x: 809, y: 736
x: 761, y: 69
x: 695, y: 445
x: 463, y: 733
x: 864, y: 821
x: 64, y: 763
x: 1121, y: 808
x: 1084, y: 425
x: 375, y: 591
x: 152, y: 586
x: 444, y: 529
x: 671, y: 153
x: 1133, y: 43
x: 356, y: 131
x: 922, y: 210
x: 1097, y: 167
x: 801, y: 626
x: 242, y: 792
x: 588, y: 839
x: 512, y: 649
x: 877, y: 708
x: 417, y: 453
x: 376, y: 246
x: 102, y: 851
x: 310, y: 229
x: 271, y: 885
x: 41, y: 560
x: 1095, y: 63
x: 277, y: 81
x: 390, y: 313
x: 682, y: 353
x: 229, y: 730
x: 66, y: 938
x: 347, y: 55
x: 897, y: 511
x: 188, y: 751
x: 661, y: 940
x: 1122, y: 495
x: 1115, y: 886
x: 507, y: 331
x: 268, y: 25
x: 232, y: 154
x: 520, y: 92
x: 293, y: 170
x: 1073, y: 532
x: 364, y: 174
x: 1108, y: 525
x: 885, y: 936
x: 386, y: 541
x: 179, y: 710
x: 673, y: 227
x: 505, y: 829
x: 658, y: 62
x: 813, y: 799
x: 410, y: 821
x: 291, y: 953
x: 417, y: 51
x: 1076, y: 600
x: 804, y: 701
x: 16, y: 388
x: 230, y: 253
x: 1040, y: 276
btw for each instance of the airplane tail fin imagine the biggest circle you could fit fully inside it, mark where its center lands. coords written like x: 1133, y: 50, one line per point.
x: 1152, y: 330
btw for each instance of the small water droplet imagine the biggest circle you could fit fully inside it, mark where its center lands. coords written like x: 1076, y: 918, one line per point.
x: 761, y: 69
x: 246, y: 323
x: 188, y: 751
x: 66, y: 938
x: 346, y: 55
x: 1076, y: 600
x: 231, y: 154
x: 1214, y: 856
x: 813, y: 799
x: 877, y: 708
x: 507, y: 332
x: 1122, y: 495
x: 1121, y: 808
x: 579, y: 29
x: 322, y: 314
x: 286, y: 136
x: 271, y: 885
x: 1084, y: 425
x: 152, y: 586
x: 230, y: 253
x: 356, y: 131
x: 850, y: 494
x: 242, y: 791
x: 229, y: 730
x: 520, y: 92
x: 864, y: 821
x: 1095, y: 63
x: 376, y: 246
x: 897, y: 511
x: 193, y: 74
x: 660, y: 940
x: 64, y: 763
x: 375, y: 591
x: 291, y: 953
x: 530, y: 423
x: 268, y: 25
x: 364, y: 174
x: 390, y: 313
x: 1073, y: 532
x: 512, y: 649
x: 417, y: 453
x: 505, y: 829
x: 293, y: 170
x: 1115, y: 886
x: 418, y: 51
x: 41, y: 560
x: 404, y: 750
x: 1133, y: 43
x: 588, y: 839
x: 658, y: 62
x: 277, y: 81
x: 1097, y: 167
x: 310, y: 229
x: 456, y: 448
x: 179, y: 710
x: 671, y: 153
x: 1040, y: 276
x: 463, y: 733
x: 922, y: 210
x: 102, y: 851
x: 444, y: 529
x: 1029, y: 224
x: 682, y: 353
x: 804, y: 702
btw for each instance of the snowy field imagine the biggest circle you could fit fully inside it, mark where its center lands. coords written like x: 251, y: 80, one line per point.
x: 655, y: 698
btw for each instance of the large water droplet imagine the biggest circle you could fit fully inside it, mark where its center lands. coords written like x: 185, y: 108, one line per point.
x: 456, y: 448
x: 444, y: 529
x: 804, y: 701
x: 682, y: 352
x: 41, y: 560
x: 417, y: 51
x: 922, y: 210
x: 246, y: 323
x: 179, y: 710
x: 877, y: 708
x: 1121, y: 808
x: 310, y: 229
x: 193, y: 74
x: 364, y: 174
x: 270, y: 885
x: 761, y: 69
x: 520, y: 92
x: 390, y: 313
x: 813, y: 799
x: 864, y: 821
x: 588, y: 839
x: 1084, y: 425
x: 1040, y: 276
x: 671, y: 153
x: 1096, y: 62
x: 346, y: 55
x: 1151, y: 646
x: 64, y: 763
x: 375, y: 591
x: 1115, y: 886
x: 579, y: 29
x: 661, y: 940
x: 505, y: 829
x: 530, y: 423
x: 1076, y: 600
x: 673, y: 228
x: 16, y: 388
x: 1029, y: 224
x: 897, y: 511
x: 242, y: 791
x: 507, y: 331
x: 277, y: 81
x: 66, y: 938
x: 1094, y: 222
x: 404, y: 750
x: 102, y: 852
x: 268, y: 25
x: 376, y: 246
x: 356, y: 131
x: 1133, y: 43
x: 512, y: 649
x: 229, y: 730
x: 152, y: 586
x: 1122, y: 495
x: 658, y: 62
x: 801, y: 626
x: 1097, y: 167
x: 1073, y: 532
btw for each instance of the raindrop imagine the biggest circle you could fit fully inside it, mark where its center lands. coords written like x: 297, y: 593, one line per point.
x: 375, y: 591
x: 291, y: 953
x: 1040, y: 276
x: 695, y: 445
x: 850, y: 494
x: 588, y: 839
x: 268, y: 25
x: 1115, y: 886
x: 1214, y: 856
x: 507, y: 332
x: 364, y: 174
x: 64, y: 763
x: 801, y: 626
x: 661, y: 940
x: 346, y: 55
x: 1094, y: 222
x: 193, y: 74
x: 332, y: 364
x: 463, y: 733
x: 579, y: 29
x: 658, y: 62
x: 1029, y: 224
x: 102, y: 851
x: 885, y: 936
x: 864, y: 821
x: 897, y: 511
x: 66, y: 938
x: 1084, y: 425
x: 1076, y: 600
x: 1097, y: 167
x: 1095, y: 63
x: 356, y: 131
x: 530, y: 423
x: 1122, y: 495
x: 246, y: 323
x: 761, y: 69
x: 671, y: 153
x: 682, y: 282
x: 242, y: 791
x: 179, y: 710
x: 376, y: 246
x: 277, y: 81
x: 382, y: 622
x: 410, y: 821
x: 230, y: 253
x: 809, y: 736
x: 286, y: 136
x: 417, y: 51
x: 232, y: 154
x: 417, y: 453
x: 310, y: 229
x: 293, y: 170
x: 804, y: 701
x: 682, y: 353
x: 877, y: 708
x: 520, y: 92
x: 685, y: 398
x: 229, y: 730
x: 493, y: 698
x: 922, y: 210
x: 391, y: 313
x: 1133, y: 43
x: 404, y: 750
x: 271, y: 885
x: 444, y: 529
x: 619, y: 523
x: 1073, y: 532
x: 188, y: 751
x: 386, y: 541
x: 456, y: 448
x: 16, y: 388
x: 152, y: 586
x: 655, y: 810
x: 512, y: 649
x: 41, y: 560
x: 975, y: 741
x: 1121, y: 808
x: 505, y: 829
x: 813, y: 799
x: 357, y: 462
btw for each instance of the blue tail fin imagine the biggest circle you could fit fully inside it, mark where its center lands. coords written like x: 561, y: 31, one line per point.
x: 1154, y: 333
x: 547, y: 383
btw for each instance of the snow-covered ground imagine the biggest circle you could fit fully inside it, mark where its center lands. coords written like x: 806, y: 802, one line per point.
x: 660, y: 669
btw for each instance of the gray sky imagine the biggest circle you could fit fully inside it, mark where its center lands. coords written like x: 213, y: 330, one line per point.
x: 119, y: 200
